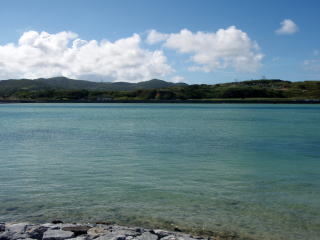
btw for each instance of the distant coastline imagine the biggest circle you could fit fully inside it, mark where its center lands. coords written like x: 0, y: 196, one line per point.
x: 64, y: 90
x: 191, y: 101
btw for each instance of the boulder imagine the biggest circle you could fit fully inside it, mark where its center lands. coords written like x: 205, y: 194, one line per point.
x: 50, y: 226
x: 160, y: 233
x: 36, y: 232
x: 16, y: 227
x: 170, y: 237
x: 2, y: 227
x: 79, y: 238
x: 56, y: 221
x: 97, y: 231
x: 147, y: 236
x: 178, y: 237
x: 57, y: 235
x: 4, y: 235
x: 77, y: 230
x: 112, y: 236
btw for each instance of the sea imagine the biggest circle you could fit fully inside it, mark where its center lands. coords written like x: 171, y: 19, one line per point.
x: 247, y: 169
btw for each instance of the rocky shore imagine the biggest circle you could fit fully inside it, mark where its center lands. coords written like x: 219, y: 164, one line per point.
x: 58, y: 230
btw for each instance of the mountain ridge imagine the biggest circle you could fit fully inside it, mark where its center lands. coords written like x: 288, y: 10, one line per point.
x: 64, y: 89
x: 73, y: 84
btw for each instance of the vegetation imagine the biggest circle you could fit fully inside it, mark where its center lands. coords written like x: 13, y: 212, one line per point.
x: 63, y: 89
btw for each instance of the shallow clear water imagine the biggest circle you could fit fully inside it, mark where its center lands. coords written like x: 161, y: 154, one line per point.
x: 253, y: 169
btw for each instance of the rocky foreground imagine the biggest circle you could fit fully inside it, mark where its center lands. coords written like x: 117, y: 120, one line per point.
x: 60, y: 231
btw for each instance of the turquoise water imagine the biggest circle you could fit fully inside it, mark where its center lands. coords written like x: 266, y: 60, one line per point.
x: 248, y: 168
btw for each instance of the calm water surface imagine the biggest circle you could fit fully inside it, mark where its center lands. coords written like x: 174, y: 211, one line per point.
x: 253, y: 169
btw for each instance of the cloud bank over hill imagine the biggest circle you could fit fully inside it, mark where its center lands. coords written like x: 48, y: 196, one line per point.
x: 42, y: 54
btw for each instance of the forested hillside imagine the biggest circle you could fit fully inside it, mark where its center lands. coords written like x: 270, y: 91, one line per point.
x: 64, y: 89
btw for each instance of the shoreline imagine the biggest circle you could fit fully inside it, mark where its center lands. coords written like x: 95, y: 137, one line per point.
x: 57, y: 230
x: 219, y: 101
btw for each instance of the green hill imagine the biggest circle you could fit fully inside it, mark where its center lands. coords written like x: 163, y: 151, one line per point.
x: 12, y: 85
x: 64, y: 89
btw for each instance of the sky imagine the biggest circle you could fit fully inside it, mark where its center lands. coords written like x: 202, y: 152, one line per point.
x: 192, y: 41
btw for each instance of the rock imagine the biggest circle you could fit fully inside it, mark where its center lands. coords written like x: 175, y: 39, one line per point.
x: 14, y: 231
x: 78, y: 229
x: 169, y: 237
x: 97, y: 231
x: 50, y: 226
x: 79, y: 238
x: 178, y: 237
x: 104, y: 223
x: 147, y: 236
x: 16, y: 227
x: 12, y: 236
x: 139, y: 230
x: 57, y: 235
x: 4, y: 235
x: 185, y: 237
x: 2, y: 227
x: 56, y: 221
x: 36, y: 232
x: 111, y: 236
x: 126, y: 232
x: 63, y: 225
x: 160, y: 233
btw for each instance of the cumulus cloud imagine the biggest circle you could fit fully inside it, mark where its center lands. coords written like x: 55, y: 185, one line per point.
x: 287, y: 27
x: 177, y: 79
x: 155, y: 37
x: 41, y: 54
x: 226, y: 48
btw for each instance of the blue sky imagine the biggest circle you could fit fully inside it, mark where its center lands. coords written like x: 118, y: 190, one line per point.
x: 188, y: 56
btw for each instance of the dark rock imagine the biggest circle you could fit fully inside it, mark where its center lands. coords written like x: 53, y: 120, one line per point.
x: 176, y: 229
x: 104, y: 223
x: 57, y: 235
x: 56, y: 221
x: 2, y: 227
x: 36, y: 232
x: 139, y: 230
x: 4, y: 236
x: 77, y: 230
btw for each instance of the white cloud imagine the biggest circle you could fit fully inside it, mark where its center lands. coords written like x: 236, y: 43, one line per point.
x: 287, y: 27
x: 226, y: 48
x: 177, y: 79
x: 41, y: 54
x: 155, y: 37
